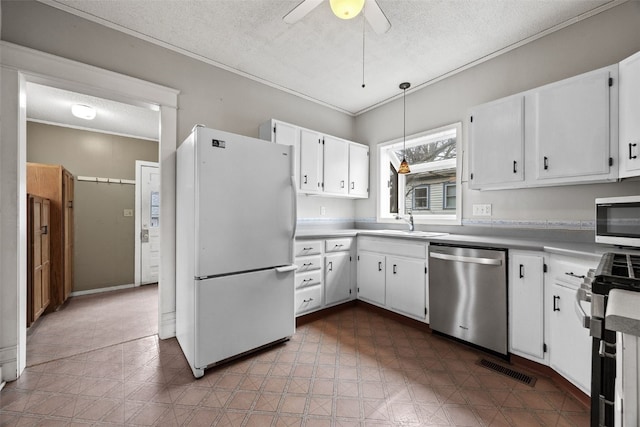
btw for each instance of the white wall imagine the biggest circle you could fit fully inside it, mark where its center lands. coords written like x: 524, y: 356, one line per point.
x: 208, y: 95
x: 596, y: 42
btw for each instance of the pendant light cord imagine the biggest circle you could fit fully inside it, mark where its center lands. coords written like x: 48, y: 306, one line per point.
x: 364, y: 26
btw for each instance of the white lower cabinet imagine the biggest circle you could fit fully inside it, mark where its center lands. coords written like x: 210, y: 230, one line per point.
x: 406, y: 281
x: 324, y: 276
x: 569, y: 343
x: 526, y: 305
x: 337, y: 284
x: 371, y: 277
x: 392, y: 273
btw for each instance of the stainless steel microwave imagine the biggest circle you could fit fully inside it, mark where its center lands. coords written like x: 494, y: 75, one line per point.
x: 618, y: 221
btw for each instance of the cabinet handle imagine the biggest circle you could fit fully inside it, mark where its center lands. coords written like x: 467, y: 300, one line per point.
x: 631, y: 156
x: 342, y: 184
x: 307, y: 280
x: 555, y: 306
x: 379, y: 266
x: 307, y: 264
x: 306, y: 249
x: 338, y: 246
x: 546, y: 163
x: 395, y: 269
x: 521, y: 271
x: 307, y: 300
x: 305, y: 179
x: 574, y: 275
x: 330, y: 265
x: 353, y: 185
x: 515, y: 167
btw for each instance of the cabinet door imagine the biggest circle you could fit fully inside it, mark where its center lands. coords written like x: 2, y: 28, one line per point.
x: 406, y: 286
x: 337, y: 283
x: 629, y: 119
x: 310, y: 161
x: 286, y: 134
x: 496, y: 143
x: 570, y: 343
x: 572, y: 128
x: 336, y: 165
x: 371, y: 276
x: 358, y: 170
x: 526, y: 308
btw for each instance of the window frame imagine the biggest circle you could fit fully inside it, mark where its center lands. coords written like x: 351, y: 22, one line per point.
x: 428, y: 196
x: 446, y: 185
x: 382, y: 203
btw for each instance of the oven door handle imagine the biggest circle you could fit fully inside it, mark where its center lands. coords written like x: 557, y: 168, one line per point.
x: 581, y: 295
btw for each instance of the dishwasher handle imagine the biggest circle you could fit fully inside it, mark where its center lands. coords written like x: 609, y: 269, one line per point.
x: 467, y: 259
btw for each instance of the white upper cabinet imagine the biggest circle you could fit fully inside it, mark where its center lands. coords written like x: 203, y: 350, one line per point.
x: 311, y: 156
x: 571, y: 128
x: 558, y: 134
x: 336, y: 165
x: 358, y: 170
x: 629, y: 116
x: 324, y: 165
x: 496, y: 144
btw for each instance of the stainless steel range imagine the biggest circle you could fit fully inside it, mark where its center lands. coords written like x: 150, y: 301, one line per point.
x: 615, y: 271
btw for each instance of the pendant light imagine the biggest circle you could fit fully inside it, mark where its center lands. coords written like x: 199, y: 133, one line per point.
x: 404, y: 166
x: 346, y: 9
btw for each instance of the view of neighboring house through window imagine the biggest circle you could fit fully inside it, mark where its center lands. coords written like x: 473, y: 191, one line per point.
x: 429, y: 191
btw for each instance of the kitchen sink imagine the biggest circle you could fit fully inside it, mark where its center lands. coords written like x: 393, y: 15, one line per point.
x: 408, y: 233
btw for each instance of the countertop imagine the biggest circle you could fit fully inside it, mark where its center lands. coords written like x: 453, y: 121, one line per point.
x: 561, y: 248
x: 622, y: 312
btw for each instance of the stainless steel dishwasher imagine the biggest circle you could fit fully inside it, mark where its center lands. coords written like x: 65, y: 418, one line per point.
x: 468, y: 294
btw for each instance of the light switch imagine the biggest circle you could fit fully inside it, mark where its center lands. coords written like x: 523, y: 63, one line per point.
x: 482, y: 210
x: 128, y: 212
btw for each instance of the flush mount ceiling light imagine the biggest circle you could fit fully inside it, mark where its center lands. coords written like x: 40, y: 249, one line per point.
x: 346, y: 9
x: 404, y: 166
x: 82, y: 111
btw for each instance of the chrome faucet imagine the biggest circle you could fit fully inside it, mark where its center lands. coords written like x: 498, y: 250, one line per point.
x: 409, y: 221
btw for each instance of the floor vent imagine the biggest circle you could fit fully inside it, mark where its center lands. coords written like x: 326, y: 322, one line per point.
x: 518, y: 376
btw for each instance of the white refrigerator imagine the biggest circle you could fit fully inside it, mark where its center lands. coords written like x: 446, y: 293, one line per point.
x: 235, y: 224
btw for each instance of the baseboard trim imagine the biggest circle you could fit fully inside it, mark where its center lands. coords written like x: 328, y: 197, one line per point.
x: 101, y: 290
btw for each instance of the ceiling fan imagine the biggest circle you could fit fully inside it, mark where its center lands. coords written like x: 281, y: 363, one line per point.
x: 344, y: 9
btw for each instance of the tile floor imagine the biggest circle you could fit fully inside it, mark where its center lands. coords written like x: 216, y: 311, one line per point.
x: 350, y: 368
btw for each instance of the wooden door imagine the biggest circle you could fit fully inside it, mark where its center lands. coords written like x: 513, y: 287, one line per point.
x: 38, y: 257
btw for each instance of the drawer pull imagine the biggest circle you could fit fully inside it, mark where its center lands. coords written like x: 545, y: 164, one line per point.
x: 307, y: 280
x: 306, y: 249
x: 338, y: 246
x: 572, y: 274
x: 307, y: 300
x: 307, y: 264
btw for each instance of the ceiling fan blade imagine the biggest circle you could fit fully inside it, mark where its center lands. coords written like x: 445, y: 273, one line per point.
x: 299, y: 12
x: 376, y: 17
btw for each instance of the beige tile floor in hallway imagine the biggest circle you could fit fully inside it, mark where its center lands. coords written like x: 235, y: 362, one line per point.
x: 350, y: 368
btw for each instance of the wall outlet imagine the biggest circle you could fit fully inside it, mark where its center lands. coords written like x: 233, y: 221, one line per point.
x: 128, y: 212
x: 482, y: 210
x: 323, y: 210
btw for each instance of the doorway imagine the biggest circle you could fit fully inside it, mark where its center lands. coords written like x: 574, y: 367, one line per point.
x: 19, y: 66
x: 147, y: 223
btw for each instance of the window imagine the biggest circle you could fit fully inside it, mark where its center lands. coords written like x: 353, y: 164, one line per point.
x: 449, y: 195
x: 420, y: 199
x: 429, y: 191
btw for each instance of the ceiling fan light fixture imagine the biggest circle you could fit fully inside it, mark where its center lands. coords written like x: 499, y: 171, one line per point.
x: 82, y: 111
x: 346, y: 9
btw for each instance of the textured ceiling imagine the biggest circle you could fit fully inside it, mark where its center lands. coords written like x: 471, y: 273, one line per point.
x: 321, y: 57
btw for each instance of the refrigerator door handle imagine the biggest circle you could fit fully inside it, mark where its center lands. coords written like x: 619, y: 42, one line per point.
x: 286, y: 268
x: 294, y: 196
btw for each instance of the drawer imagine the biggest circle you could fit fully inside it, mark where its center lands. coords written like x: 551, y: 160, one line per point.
x: 308, y: 263
x: 304, y: 280
x: 308, y: 299
x: 338, y: 245
x: 570, y: 271
x: 308, y: 247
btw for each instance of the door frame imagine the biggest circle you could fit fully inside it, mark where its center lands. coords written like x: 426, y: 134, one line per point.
x: 137, y: 273
x: 20, y: 65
